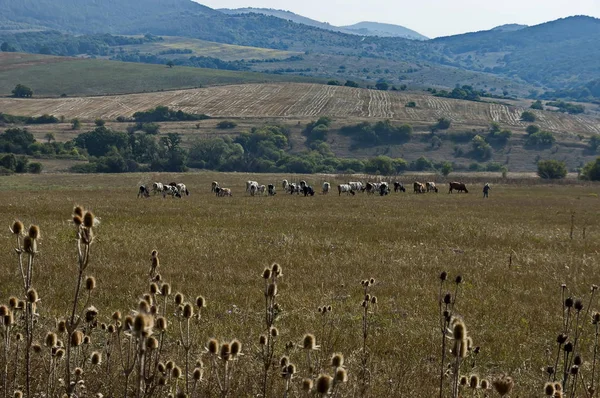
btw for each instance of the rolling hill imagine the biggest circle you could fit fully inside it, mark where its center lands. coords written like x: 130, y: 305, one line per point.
x: 384, y: 30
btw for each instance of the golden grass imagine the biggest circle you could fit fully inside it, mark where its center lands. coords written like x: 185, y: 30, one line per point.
x: 218, y: 247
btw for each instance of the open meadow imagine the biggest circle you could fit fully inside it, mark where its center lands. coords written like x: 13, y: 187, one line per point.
x: 512, y: 250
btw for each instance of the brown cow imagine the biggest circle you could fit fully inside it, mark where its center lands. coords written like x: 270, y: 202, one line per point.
x: 458, y: 186
x: 419, y: 187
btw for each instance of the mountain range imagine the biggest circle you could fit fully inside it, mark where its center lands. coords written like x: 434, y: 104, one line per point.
x: 555, y: 56
x: 361, y: 28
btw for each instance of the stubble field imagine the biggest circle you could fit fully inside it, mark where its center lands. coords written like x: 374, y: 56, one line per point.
x: 513, y: 251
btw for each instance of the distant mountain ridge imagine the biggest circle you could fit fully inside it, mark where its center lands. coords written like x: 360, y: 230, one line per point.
x: 511, y: 27
x: 361, y: 28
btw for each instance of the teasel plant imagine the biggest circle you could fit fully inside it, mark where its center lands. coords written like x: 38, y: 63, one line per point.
x: 268, y: 340
x: 7, y: 325
x: 446, y: 302
x: 369, y: 305
x: 327, y: 334
x: 26, y: 250
x: 185, y: 315
x: 223, y: 358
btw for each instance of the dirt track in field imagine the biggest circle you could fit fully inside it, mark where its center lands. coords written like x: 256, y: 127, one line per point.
x: 300, y: 100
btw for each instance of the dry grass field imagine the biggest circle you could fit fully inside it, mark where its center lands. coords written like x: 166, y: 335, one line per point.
x: 297, y: 100
x: 513, y: 251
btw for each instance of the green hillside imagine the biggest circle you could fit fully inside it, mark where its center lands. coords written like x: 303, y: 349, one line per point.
x: 53, y: 76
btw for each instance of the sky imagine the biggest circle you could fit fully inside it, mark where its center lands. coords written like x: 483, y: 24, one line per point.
x: 432, y: 18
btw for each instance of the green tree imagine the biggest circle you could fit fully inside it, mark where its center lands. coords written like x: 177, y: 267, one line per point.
x: 170, y: 64
x: 75, y: 124
x: 481, y: 149
x: 35, y: 168
x: 494, y: 127
x: 380, y: 165
x: 383, y: 86
x: 541, y: 138
x: 532, y: 129
x: 9, y: 162
x: 528, y: 116
x: 21, y: 91
x: 442, y: 124
x: 537, y: 105
x: 411, y: 104
x: 594, y: 142
x: 99, y: 122
x: 446, y: 168
x: 49, y: 137
x: 551, y: 169
x: 351, y: 83
x: 591, y: 171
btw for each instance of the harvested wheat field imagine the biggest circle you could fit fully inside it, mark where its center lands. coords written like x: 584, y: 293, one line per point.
x: 513, y: 252
x: 299, y: 100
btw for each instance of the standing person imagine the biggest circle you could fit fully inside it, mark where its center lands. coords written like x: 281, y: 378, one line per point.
x: 486, y: 190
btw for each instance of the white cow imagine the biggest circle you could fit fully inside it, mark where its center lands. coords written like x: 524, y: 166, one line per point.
x: 431, y: 187
x: 249, y: 183
x: 171, y: 191
x: 182, y: 189
x: 356, y: 186
x: 347, y: 188
x: 262, y: 189
x: 326, y: 187
x: 285, y: 184
x: 253, y: 188
x: 157, y: 187
x: 214, y: 186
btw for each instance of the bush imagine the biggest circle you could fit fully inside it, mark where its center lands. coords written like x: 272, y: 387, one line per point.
x: 333, y: 83
x: 480, y: 148
x: 411, y: 104
x: 351, y: 83
x: 541, y: 138
x: 380, y: 165
x: 99, y: 122
x: 591, y: 171
x: 551, y: 169
x: 594, y: 142
x: 84, y: 168
x: 35, y: 168
x: 446, y: 168
x: 532, y: 129
x: 226, y: 124
x: 528, y: 116
x: 537, y: 105
x: 164, y: 114
x: 442, y: 124
x: 21, y: 91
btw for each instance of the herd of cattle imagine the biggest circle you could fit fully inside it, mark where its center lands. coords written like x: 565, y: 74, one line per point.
x: 253, y: 188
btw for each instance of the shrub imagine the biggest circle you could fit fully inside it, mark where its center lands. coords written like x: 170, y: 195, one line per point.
x: 35, y: 168
x: 594, y: 142
x: 446, y: 168
x: 528, y: 116
x: 541, y: 138
x: 551, y: 169
x: 591, y: 171
x: 411, y: 104
x: 226, y: 124
x: 442, y: 124
x: 537, y: 105
x: 532, y: 129
x: 480, y: 148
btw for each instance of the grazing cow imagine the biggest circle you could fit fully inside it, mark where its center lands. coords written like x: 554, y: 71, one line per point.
x: 302, y: 184
x: 431, y: 187
x: 370, y: 188
x: 285, y: 184
x: 171, y: 191
x: 384, y: 189
x: 398, y: 186
x: 223, y: 192
x: 143, y: 191
x: 357, y: 186
x: 271, y: 190
x: 262, y: 189
x: 419, y: 187
x: 294, y: 188
x: 458, y: 186
x: 157, y: 187
x: 249, y: 184
x: 347, y: 188
x: 308, y: 190
x: 326, y: 188
x: 182, y: 189
x: 214, y: 186
x: 253, y: 189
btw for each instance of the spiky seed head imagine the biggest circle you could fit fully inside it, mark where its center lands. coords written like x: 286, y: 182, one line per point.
x: 447, y: 298
x: 200, y: 302
x: 291, y: 369
x: 485, y: 384
x: 329, y: 308
x: 161, y: 367
x: 76, y: 338
x: 178, y: 298
x: 9, y: 319
x: 148, y: 298
x: 266, y: 273
x: 236, y: 348
x: 77, y: 220
x: 550, y: 370
x: 165, y: 289
x: 155, y: 262
x: 19, y: 337
x: 213, y: 346
x: 307, y: 385
x: 324, y: 383
x: 284, y: 361
x: 319, y: 310
x: 90, y: 314
x: 18, y: 394
x: 88, y: 219
x: 78, y: 372
x: 578, y: 305
x: 32, y: 295
x: 225, y: 351
x: 503, y: 385
x: 116, y: 316
x: 341, y: 375
x: 460, y: 348
x: 144, y: 306
x: 181, y: 394
x: 29, y: 245
x: 274, y: 331
x: 372, y: 281
x: 337, y: 360
x: 158, y: 278
x: 50, y: 340
x: 96, y: 358
x: 188, y: 311
x: 443, y: 276
x: 78, y: 211
x: 17, y: 228
x: 574, y: 370
x: 367, y: 297
x: 374, y: 300
x: 90, y: 283
x: 459, y: 330
x: 569, y: 302
x: 60, y: 353
x: 473, y: 381
x: 197, y: 375
x: 142, y: 324
x: 3, y: 310
x: 153, y: 288
x: 262, y: 340
x: 162, y: 382
x: 13, y: 302
x: 458, y: 280
x: 152, y: 343
x: 549, y: 389
x: 577, y: 361
x: 21, y: 305
x: 309, y: 342
x: 111, y: 329
x: 37, y: 348
x: 161, y: 324
x: 34, y: 232
x: 276, y: 269
x: 596, y: 318
x: 562, y: 338
x: 176, y: 372
x: 568, y: 347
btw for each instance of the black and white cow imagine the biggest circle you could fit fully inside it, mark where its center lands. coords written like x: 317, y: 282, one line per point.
x: 143, y: 191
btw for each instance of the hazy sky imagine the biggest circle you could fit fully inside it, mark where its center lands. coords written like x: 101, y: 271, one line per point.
x: 429, y: 17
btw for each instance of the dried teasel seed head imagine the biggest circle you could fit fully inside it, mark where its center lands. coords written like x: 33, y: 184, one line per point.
x: 76, y: 338
x: 337, y: 360
x: 50, y: 340
x: 88, y: 219
x: 213, y: 346
x: 162, y: 382
x: 569, y: 302
x: 464, y: 380
x: 78, y: 211
x: 200, y: 302
x: 225, y: 351
x: 374, y: 300
x: 307, y: 385
x: 574, y: 370
x: 447, y: 298
x: 90, y: 283
x: 324, y: 383
x: 341, y: 375
x: 371, y: 281
x: 549, y: 389
x: 459, y: 330
x: 19, y: 337
x: 96, y: 358
x: 34, y: 232
x: 142, y: 323
x: 485, y: 384
x: 165, y: 289
x: 274, y: 331
x: 284, y: 361
x: 3, y: 310
x: 596, y: 318
x: 161, y: 324
x: 111, y: 329
x: 236, y: 348
x: 329, y: 308
x: 276, y: 269
x: 9, y: 319
x: 37, y: 348
x: 578, y: 305
x: 562, y: 338
x: 188, y: 311
x: 197, y: 374
x: 443, y: 276
x: 116, y: 316
x: 13, y: 302
x: 577, y: 361
x: 29, y: 245
x: 550, y: 370
x: 262, y: 340
x: 152, y: 343
x: 176, y: 372
x: 18, y: 394
x: 266, y: 273
x: 503, y: 385
x: 32, y: 295
x: 178, y: 298
x: 309, y: 342
x: 161, y: 367
x: 17, y: 228
x: 291, y: 369
x: 153, y: 288
x: 458, y: 280
x: 367, y: 297
x: 473, y: 381
x: 77, y: 220
x: 568, y: 347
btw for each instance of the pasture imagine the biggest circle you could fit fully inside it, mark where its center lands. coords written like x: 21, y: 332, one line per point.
x: 513, y: 251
